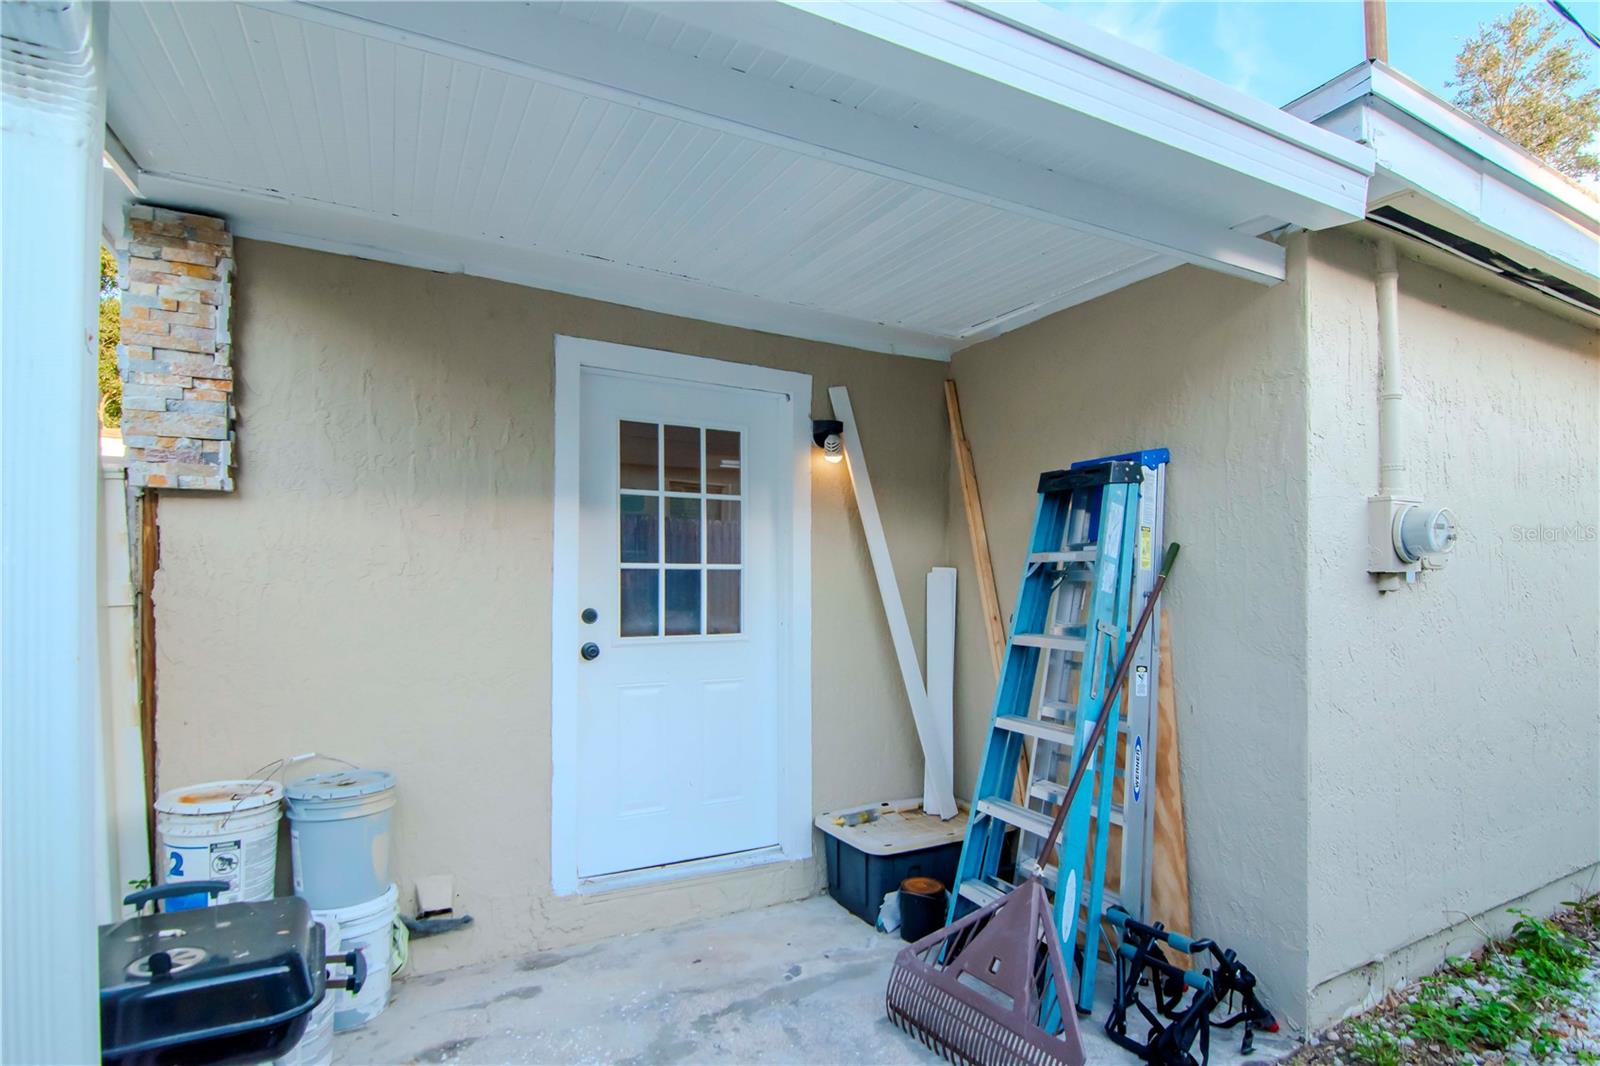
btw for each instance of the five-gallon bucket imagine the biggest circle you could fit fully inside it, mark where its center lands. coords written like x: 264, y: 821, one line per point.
x: 369, y: 928
x: 316, y: 1045
x: 339, y: 836
x: 220, y: 831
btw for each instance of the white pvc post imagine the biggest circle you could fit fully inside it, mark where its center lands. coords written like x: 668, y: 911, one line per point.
x: 939, y: 778
x: 52, y: 123
x: 123, y: 835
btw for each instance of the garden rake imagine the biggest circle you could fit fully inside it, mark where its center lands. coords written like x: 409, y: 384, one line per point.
x: 984, y: 989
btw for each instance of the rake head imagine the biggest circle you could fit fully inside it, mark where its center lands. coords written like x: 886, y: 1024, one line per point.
x: 987, y: 989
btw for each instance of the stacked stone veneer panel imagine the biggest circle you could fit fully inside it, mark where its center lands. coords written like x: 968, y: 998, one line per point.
x: 176, y: 352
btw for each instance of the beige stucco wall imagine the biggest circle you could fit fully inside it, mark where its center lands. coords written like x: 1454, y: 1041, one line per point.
x: 1214, y: 369
x: 378, y: 588
x: 1361, y: 774
x: 1455, y: 726
x: 1368, y: 781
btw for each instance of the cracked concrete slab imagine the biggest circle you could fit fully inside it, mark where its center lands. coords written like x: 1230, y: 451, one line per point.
x: 796, y: 983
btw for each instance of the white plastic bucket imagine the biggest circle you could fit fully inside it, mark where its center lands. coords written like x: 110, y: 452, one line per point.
x: 367, y: 927
x: 220, y: 831
x: 339, y: 836
x: 315, y: 1047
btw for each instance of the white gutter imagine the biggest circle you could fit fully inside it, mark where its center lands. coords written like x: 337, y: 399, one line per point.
x: 1446, y: 168
x: 1384, y: 83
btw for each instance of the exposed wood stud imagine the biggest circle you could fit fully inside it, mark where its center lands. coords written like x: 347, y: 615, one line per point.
x: 978, y: 534
x: 149, y: 561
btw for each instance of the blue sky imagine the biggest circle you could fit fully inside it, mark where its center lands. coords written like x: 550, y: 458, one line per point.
x: 1278, y: 50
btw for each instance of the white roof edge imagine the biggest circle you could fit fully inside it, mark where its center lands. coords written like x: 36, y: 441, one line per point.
x: 1062, y: 30
x: 1035, y: 79
x: 1380, y: 81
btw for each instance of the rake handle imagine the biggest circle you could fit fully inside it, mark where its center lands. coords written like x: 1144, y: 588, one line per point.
x: 1112, y: 693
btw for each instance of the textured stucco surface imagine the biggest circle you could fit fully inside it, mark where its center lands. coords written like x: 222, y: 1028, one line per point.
x: 1365, y: 778
x: 1214, y: 369
x: 1455, y: 726
x: 378, y: 587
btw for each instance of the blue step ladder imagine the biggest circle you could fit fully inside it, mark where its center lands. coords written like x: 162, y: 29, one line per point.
x: 1094, y: 538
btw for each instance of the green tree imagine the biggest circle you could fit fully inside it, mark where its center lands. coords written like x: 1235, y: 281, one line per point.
x: 110, y: 333
x: 1514, y: 76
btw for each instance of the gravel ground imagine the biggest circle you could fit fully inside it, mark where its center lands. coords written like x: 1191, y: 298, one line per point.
x: 1511, y: 979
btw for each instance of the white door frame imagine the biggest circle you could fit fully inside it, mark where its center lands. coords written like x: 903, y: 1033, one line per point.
x: 573, y: 354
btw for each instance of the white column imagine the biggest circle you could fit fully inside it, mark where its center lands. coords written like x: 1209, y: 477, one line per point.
x: 940, y: 644
x: 52, y: 122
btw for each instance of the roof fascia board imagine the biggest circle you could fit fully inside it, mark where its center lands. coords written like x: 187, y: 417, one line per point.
x: 1413, y: 103
x: 323, y: 226
x: 964, y: 60
x: 1406, y: 95
x: 584, y: 58
x: 1060, y: 29
x: 1332, y: 94
x: 1456, y: 180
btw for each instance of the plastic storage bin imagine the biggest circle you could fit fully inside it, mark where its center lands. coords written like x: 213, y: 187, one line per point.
x: 887, y: 843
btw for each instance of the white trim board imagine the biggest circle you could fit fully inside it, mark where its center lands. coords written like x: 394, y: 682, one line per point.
x: 1473, y: 175
x: 940, y: 645
x: 934, y: 751
x: 326, y: 227
x: 572, y: 355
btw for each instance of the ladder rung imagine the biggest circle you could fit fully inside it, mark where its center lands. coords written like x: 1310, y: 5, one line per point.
x: 1052, y: 792
x: 1049, y: 640
x: 1075, y: 555
x: 1108, y: 897
x: 1067, y: 709
x: 1032, y: 727
x: 981, y: 893
x: 1009, y: 813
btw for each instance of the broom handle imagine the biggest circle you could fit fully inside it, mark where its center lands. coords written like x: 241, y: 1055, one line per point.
x: 1112, y: 693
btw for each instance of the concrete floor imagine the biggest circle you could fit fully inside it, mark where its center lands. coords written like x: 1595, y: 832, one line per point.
x: 797, y: 983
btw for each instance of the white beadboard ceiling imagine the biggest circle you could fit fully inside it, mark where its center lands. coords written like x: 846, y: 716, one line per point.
x: 636, y: 154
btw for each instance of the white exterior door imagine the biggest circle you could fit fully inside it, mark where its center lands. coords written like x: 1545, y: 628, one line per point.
x: 680, y: 492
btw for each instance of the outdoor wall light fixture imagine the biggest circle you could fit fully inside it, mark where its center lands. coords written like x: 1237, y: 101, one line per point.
x: 825, y: 431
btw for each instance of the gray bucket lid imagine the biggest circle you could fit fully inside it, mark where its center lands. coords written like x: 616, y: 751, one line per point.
x: 340, y: 785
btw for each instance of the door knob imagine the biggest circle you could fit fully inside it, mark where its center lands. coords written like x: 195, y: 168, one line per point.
x: 590, y: 651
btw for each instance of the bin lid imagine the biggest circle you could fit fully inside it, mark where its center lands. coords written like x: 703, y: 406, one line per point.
x: 340, y: 784
x: 220, y: 797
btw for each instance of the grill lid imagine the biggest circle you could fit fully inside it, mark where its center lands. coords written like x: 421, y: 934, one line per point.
x: 229, y: 983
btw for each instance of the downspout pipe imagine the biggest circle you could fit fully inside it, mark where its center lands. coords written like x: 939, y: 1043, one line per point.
x: 1391, y: 393
x: 1405, y: 537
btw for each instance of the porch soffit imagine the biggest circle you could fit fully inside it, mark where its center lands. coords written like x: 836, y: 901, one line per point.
x: 697, y: 159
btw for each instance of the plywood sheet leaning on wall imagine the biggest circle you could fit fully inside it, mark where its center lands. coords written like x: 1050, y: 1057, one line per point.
x: 1169, y: 881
